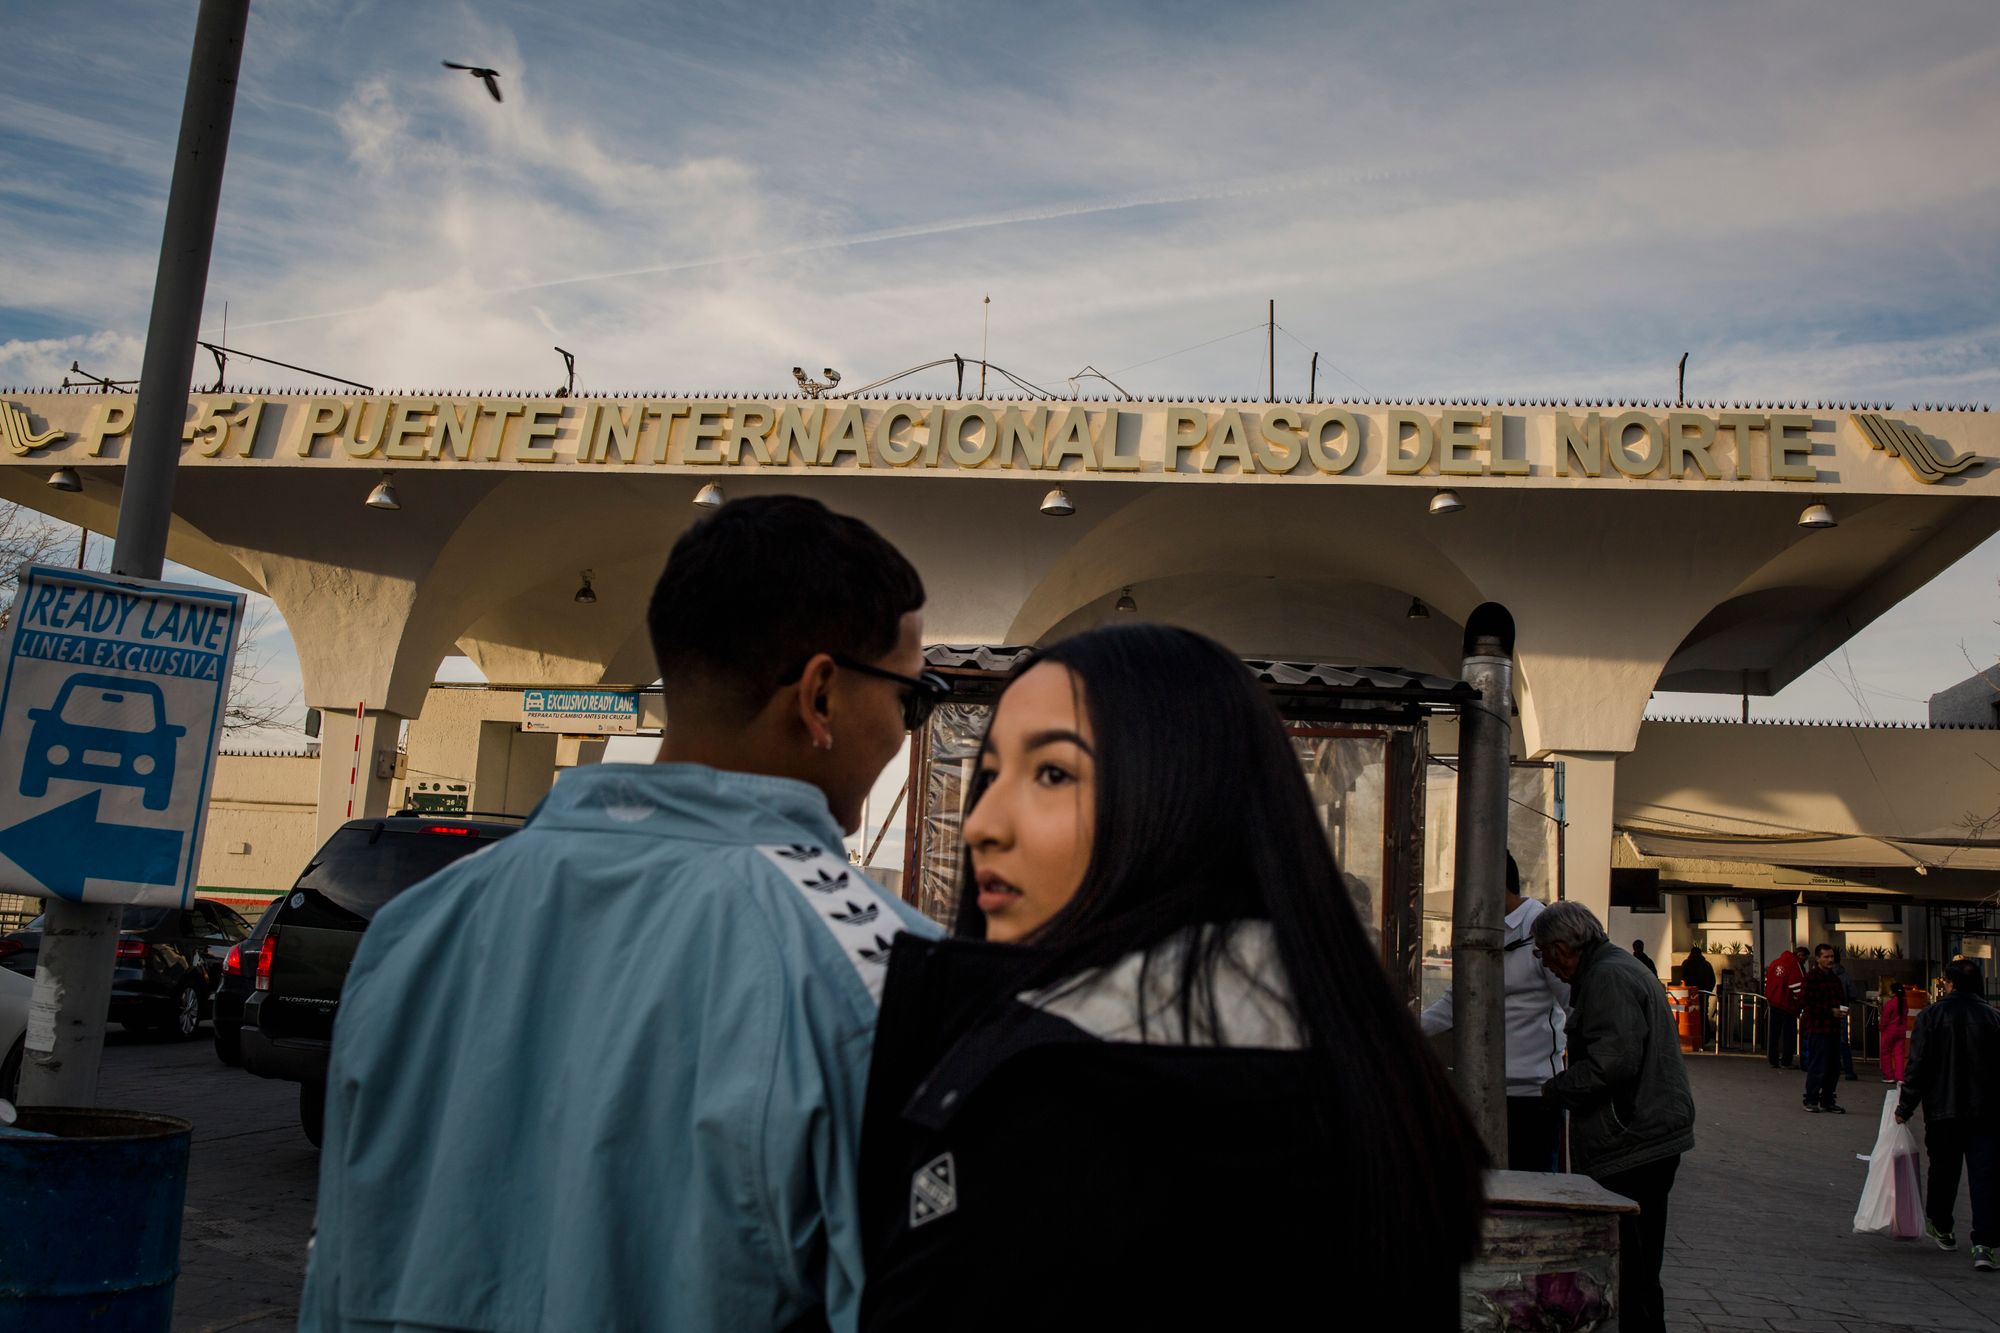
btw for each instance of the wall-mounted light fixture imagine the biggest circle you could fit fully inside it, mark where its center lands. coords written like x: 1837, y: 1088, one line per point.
x: 1417, y: 611
x: 65, y: 479
x: 1446, y: 502
x: 585, y: 595
x: 384, y: 495
x: 1126, y: 604
x: 709, y: 497
x: 1056, y: 504
x: 1816, y: 516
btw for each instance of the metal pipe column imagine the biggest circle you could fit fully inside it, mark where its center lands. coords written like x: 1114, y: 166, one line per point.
x: 73, y: 976
x: 1478, y: 910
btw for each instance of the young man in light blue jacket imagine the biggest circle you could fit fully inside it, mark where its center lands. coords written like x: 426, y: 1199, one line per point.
x: 608, y: 1074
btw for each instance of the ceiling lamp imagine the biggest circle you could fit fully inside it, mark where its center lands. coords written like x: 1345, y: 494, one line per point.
x: 1817, y: 516
x: 65, y: 479
x: 1417, y: 611
x: 1056, y: 505
x: 1125, y: 603
x: 585, y: 595
x: 1446, y: 502
x: 384, y: 495
x: 709, y: 497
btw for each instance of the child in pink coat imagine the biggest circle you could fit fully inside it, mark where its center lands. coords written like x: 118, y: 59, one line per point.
x: 1894, y: 1039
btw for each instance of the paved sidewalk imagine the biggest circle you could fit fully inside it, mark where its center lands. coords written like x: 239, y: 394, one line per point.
x: 1760, y: 1229
x: 252, y: 1178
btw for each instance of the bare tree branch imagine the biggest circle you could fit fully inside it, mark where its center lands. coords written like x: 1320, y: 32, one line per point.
x: 255, y: 702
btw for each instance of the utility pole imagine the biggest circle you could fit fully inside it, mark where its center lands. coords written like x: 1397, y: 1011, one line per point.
x: 1479, y: 904
x: 73, y: 977
x: 1271, y: 348
x: 1681, y: 389
x: 1312, y: 381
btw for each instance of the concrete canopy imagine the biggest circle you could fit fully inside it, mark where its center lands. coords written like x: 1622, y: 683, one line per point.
x: 1638, y: 547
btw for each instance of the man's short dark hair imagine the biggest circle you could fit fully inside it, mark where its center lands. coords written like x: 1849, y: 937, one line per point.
x: 1513, y: 876
x: 755, y: 589
x: 1965, y: 975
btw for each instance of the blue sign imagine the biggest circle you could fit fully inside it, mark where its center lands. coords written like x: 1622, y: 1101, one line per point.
x: 580, y: 712
x: 110, y: 708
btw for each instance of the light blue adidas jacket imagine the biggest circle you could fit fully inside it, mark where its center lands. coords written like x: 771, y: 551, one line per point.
x: 608, y: 1073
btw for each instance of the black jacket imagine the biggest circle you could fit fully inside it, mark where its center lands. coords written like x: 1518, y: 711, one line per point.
x: 1954, y: 1068
x: 1625, y: 1088
x: 1019, y: 1173
x: 1698, y: 972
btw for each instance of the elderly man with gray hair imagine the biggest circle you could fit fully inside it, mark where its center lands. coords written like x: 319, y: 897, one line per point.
x: 1631, y: 1114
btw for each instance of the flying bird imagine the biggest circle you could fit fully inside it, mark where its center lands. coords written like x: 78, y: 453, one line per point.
x: 490, y: 77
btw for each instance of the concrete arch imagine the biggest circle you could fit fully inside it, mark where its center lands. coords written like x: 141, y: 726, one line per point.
x: 1320, y: 536
x: 1296, y: 619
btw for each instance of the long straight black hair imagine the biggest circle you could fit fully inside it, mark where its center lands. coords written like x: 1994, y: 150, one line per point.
x: 1203, y: 816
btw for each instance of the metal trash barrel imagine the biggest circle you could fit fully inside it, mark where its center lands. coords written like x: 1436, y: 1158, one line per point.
x: 90, y: 1221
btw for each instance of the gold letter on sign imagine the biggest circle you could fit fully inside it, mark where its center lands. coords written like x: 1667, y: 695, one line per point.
x: 965, y: 454
x: 323, y: 417
x: 1021, y: 431
x: 896, y: 452
x: 752, y: 424
x: 1681, y: 447
x: 1069, y: 437
x: 456, y: 422
x: 1187, y: 427
x: 1585, y: 447
x: 1740, y: 424
x: 844, y: 433
x: 363, y: 441
x: 1403, y: 464
x: 1228, y: 441
x: 1458, y: 435
x: 108, y: 419
x: 1789, y: 443
x: 1280, y: 449
x: 1614, y: 444
x: 1349, y: 451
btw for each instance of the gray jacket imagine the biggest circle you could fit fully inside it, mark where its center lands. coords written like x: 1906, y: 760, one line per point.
x: 1625, y: 1088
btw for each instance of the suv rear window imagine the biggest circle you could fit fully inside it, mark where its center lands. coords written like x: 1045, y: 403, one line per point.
x: 361, y: 869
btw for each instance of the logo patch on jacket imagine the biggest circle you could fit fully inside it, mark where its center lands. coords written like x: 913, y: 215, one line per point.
x: 846, y: 903
x: 933, y: 1190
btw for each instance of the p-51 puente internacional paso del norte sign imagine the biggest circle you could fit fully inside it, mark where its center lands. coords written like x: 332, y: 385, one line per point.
x: 109, y: 711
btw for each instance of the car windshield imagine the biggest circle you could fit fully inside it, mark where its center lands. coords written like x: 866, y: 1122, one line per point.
x: 132, y: 918
x: 361, y: 869
x: 116, y: 710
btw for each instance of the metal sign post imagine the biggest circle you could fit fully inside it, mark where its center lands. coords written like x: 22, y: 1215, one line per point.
x: 73, y: 976
x: 1479, y: 904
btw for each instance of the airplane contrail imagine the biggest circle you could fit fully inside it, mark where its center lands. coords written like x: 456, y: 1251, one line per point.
x: 1244, y: 189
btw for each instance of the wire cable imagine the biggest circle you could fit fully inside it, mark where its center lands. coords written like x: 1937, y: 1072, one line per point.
x: 1329, y: 360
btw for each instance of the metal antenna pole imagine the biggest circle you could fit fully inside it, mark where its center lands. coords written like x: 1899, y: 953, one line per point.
x: 1271, y: 348
x: 1478, y: 910
x: 1312, y: 381
x: 73, y: 979
x: 1681, y: 390
x: 985, y: 318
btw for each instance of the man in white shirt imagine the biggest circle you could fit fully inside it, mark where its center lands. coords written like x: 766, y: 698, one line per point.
x: 1536, y: 1003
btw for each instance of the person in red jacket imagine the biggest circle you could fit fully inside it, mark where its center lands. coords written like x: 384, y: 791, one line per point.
x: 1783, y: 981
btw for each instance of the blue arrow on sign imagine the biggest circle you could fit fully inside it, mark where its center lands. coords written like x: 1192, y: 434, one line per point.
x: 67, y: 845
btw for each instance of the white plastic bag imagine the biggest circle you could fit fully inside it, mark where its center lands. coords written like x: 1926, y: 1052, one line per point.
x: 1890, y: 1201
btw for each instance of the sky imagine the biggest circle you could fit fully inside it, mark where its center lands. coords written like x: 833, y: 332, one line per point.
x: 1450, y: 200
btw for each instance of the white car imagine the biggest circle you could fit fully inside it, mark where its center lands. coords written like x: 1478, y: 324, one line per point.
x: 14, y: 992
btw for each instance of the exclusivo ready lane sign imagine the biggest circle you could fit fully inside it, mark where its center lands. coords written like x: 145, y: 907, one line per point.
x: 110, y: 707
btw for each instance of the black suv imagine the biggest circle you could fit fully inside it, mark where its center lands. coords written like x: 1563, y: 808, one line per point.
x: 169, y: 959
x: 239, y: 978
x: 311, y: 937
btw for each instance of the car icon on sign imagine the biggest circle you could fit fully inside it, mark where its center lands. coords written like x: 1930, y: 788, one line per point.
x: 104, y: 729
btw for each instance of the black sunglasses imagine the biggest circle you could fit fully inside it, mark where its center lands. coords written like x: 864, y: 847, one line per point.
x: 920, y: 694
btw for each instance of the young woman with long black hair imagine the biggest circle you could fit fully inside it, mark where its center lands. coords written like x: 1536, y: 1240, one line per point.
x: 1173, y: 1087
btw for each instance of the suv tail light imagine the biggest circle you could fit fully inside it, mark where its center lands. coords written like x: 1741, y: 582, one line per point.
x: 233, y: 963
x: 264, y: 960
x: 453, y: 830
x: 11, y: 947
x: 131, y: 950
